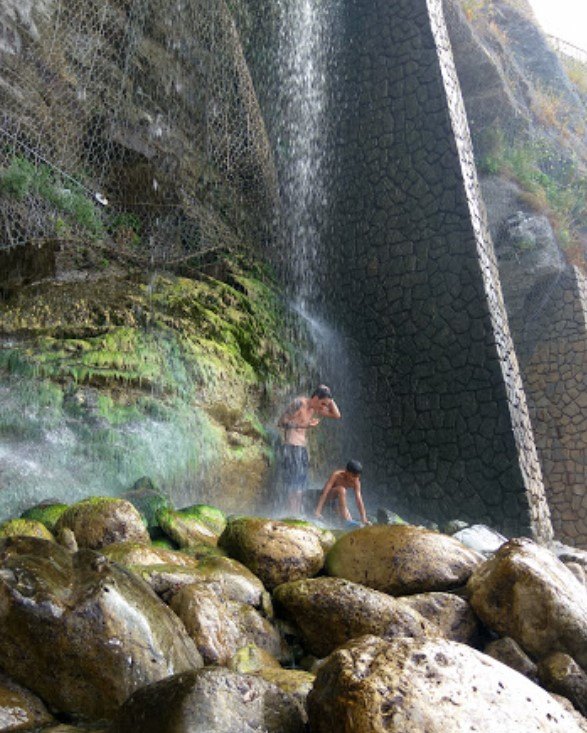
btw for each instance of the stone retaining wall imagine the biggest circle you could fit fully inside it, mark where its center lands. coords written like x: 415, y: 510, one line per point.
x: 437, y: 412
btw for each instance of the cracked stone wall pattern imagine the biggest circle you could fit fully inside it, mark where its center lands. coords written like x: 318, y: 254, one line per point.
x: 438, y: 412
x: 554, y: 377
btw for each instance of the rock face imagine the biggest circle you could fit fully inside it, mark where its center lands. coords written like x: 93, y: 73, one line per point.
x: 210, y: 701
x: 401, y: 559
x: 274, y: 551
x: 80, y: 632
x: 19, y: 708
x: 330, y: 611
x: 407, y: 685
x: 526, y: 593
x: 101, y: 521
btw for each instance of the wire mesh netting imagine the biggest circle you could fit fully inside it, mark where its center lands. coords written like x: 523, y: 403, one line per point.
x: 130, y: 126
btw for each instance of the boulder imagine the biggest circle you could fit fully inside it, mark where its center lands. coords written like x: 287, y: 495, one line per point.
x: 25, y: 528
x: 480, y: 538
x: 526, y: 593
x: 326, y: 536
x: 295, y: 682
x: 100, y: 521
x: 401, y: 559
x: 433, y: 685
x: 137, y: 554
x: 81, y: 632
x: 47, y: 513
x: 330, y: 611
x: 506, y: 651
x: 250, y: 658
x: 211, y: 516
x: 219, y: 627
x: 274, y: 551
x: 19, y: 708
x: 561, y: 674
x: 185, y: 530
x: 147, y: 500
x: 451, y: 614
x: 212, y: 700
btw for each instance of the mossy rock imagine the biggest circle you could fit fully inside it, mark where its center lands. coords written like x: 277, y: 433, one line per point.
x: 202, y: 551
x: 185, y: 530
x: 326, y: 536
x: 25, y: 528
x: 164, y: 543
x: 101, y: 520
x: 47, y: 514
x: 147, y: 500
x: 211, y: 516
x: 250, y: 659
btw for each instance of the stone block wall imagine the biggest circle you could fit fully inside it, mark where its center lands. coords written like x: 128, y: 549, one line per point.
x: 555, y: 380
x: 436, y: 411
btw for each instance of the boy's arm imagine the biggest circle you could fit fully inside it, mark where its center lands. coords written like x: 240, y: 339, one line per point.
x: 323, y: 496
x: 360, y: 505
x: 330, y: 409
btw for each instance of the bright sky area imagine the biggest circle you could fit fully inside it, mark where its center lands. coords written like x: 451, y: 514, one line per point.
x: 566, y: 19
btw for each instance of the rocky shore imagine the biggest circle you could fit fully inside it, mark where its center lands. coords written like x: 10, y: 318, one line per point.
x: 209, y: 624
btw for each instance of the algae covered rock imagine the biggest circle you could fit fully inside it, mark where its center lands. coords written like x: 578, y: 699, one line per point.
x: 401, y: 559
x: 19, y: 708
x: 250, y: 658
x: 526, y: 593
x: 81, y: 632
x: 25, y: 528
x: 406, y: 685
x: 211, y: 700
x: 102, y: 520
x: 274, y: 551
x: 211, y: 516
x: 326, y: 536
x: 331, y: 611
x: 147, y: 500
x: 185, y: 530
x: 46, y: 513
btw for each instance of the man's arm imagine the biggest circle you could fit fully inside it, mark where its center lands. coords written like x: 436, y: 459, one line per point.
x: 360, y: 505
x: 324, y: 495
x: 329, y: 408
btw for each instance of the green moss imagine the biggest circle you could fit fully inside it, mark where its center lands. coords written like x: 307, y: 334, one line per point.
x: 25, y: 528
x: 211, y: 516
x: 46, y: 514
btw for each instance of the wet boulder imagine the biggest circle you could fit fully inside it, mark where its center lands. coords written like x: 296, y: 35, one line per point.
x: 219, y: 627
x: 138, y: 554
x: 25, y: 528
x: 274, y: 551
x: 526, y: 593
x: 331, y: 611
x: 326, y: 536
x: 210, y: 516
x: 102, y: 520
x: 433, y: 685
x: 451, y: 614
x: 81, y: 632
x: 296, y: 682
x: 507, y: 651
x: 401, y: 559
x: 147, y: 500
x: 250, y: 658
x: 560, y: 673
x: 184, y: 530
x: 212, y: 700
x: 19, y: 708
x: 47, y: 513
x: 480, y: 538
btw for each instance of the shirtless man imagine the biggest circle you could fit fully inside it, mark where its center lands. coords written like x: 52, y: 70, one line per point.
x: 335, y: 488
x: 298, y: 417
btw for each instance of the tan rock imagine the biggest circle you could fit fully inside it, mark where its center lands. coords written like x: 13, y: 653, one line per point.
x: 295, y: 682
x: 274, y: 551
x: 526, y: 593
x: 507, y: 651
x: 427, y: 685
x: 452, y: 614
x: 101, y: 521
x: 330, y: 611
x: 137, y: 554
x: 401, y: 559
x: 81, y: 632
x: 561, y: 674
x: 19, y: 708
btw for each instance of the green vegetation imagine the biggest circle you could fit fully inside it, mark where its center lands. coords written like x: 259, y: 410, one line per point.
x: 21, y: 178
x: 552, y: 184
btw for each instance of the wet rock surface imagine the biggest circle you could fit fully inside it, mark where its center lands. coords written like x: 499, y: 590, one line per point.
x: 437, y: 686
x: 81, y: 632
x: 526, y: 593
x: 275, y: 551
x: 19, y: 708
x: 401, y: 559
x: 211, y: 701
x: 452, y: 615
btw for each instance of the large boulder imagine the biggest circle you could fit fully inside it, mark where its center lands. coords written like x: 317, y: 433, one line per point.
x: 137, y: 554
x: 102, y: 520
x: 46, y: 512
x: 560, y: 673
x: 25, y: 528
x: 212, y: 700
x: 401, y: 559
x: 330, y: 611
x: 526, y: 593
x: 274, y: 551
x: 19, y: 708
x: 453, y: 616
x: 81, y: 632
x: 437, y: 686
x: 219, y: 627
x: 186, y: 530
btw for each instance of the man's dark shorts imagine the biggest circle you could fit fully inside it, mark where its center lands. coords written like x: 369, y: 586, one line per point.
x: 294, y: 467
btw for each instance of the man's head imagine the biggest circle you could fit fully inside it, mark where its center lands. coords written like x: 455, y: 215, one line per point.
x: 354, y: 467
x: 322, y: 392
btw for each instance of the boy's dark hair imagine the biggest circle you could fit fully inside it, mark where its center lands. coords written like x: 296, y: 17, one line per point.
x: 322, y: 392
x: 354, y: 467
